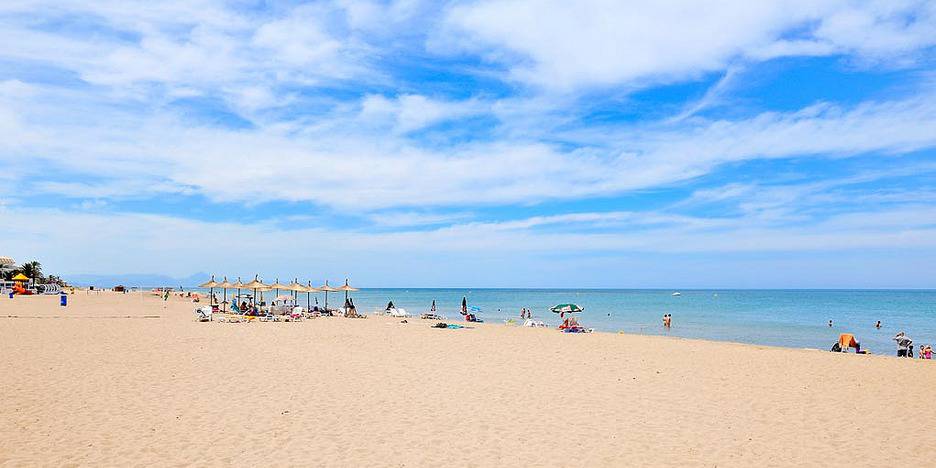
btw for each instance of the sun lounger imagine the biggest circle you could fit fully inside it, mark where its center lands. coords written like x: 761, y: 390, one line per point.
x: 203, y: 314
x: 534, y: 323
x: 398, y: 313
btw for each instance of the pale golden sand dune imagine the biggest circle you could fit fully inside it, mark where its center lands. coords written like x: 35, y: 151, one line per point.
x: 92, y: 390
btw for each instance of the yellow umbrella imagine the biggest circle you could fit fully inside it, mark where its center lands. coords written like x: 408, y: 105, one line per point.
x: 327, y: 289
x: 20, y: 277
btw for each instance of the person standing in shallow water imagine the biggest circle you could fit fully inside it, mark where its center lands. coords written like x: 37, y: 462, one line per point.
x: 830, y: 324
x: 878, y: 325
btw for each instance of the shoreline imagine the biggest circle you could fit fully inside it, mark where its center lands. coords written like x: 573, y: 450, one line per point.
x: 145, y: 295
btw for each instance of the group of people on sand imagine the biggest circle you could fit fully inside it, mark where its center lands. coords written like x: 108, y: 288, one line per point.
x: 905, y: 347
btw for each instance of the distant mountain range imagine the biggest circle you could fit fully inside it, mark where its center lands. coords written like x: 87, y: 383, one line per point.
x: 138, y: 279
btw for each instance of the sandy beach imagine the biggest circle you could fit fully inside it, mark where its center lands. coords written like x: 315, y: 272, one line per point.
x: 131, y: 380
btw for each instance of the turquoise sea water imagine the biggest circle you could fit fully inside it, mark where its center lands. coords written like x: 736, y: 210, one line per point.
x: 791, y: 318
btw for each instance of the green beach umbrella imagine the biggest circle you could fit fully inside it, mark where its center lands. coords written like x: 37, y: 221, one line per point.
x: 566, y: 308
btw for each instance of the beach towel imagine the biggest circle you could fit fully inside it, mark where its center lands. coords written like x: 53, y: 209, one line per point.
x: 847, y: 340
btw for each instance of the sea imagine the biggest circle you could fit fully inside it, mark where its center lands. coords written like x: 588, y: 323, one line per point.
x: 788, y: 318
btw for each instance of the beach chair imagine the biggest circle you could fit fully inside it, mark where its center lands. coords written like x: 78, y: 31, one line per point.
x: 534, y: 323
x: 296, y: 314
x: 203, y: 314
x: 397, y: 312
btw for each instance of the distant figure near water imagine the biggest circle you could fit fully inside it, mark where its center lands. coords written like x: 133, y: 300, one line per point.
x: 830, y: 324
x: 878, y: 325
x: 667, y: 320
x: 904, y: 345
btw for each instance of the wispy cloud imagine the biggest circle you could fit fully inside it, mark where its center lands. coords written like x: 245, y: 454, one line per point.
x: 564, y: 45
x: 475, y: 127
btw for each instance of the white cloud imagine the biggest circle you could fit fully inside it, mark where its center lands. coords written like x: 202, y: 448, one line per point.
x: 564, y: 45
x: 410, y: 112
x: 342, y: 161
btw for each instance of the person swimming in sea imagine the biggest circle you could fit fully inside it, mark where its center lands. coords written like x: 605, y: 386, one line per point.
x: 830, y: 324
x: 878, y: 325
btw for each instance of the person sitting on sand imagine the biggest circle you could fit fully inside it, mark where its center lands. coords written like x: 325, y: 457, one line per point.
x: 926, y: 352
x: 570, y: 322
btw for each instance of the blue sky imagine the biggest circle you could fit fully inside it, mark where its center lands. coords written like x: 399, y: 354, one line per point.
x: 474, y: 143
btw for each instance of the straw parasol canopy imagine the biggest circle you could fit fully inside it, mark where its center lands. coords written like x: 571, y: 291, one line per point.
x: 346, y: 288
x: 225, y: 284
x: 6, y: 262
x: 326, y: 289
x: 210, y: 284
x: 238, y: 284
x: 309, y: 289
x: 277, y: 286
x: 296, y: 288
x: 255, y: 285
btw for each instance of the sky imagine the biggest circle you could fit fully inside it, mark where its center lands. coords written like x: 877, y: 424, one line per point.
x: 596, y: 143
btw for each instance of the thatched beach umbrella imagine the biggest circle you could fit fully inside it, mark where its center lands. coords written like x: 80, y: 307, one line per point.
x: 296, y: 288
x: 327, y: 289
x: 238, y: 284
x: 277, y: 286
x: 225, y: 285
x: 309, y: 289
x: 255, y: 285
x: 210, y: 284
x: 346, y: 288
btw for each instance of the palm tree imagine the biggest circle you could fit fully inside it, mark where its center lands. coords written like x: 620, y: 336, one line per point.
x: 32, y: 269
